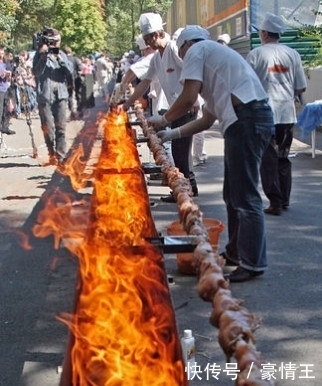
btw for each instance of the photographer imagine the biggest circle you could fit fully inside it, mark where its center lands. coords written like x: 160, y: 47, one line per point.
x: 52, y: 70
x: 75, y: 83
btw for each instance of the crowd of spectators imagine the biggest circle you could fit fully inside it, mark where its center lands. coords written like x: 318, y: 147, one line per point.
x: 18, y: 94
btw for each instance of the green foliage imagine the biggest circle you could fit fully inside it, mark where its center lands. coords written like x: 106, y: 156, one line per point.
x: 31, y: 17
x: 86, y: 25
x: 82, y: 25
x: 122, y: 22
x: 314, y: 34
x: 7, y: 19
x: 8, y: 7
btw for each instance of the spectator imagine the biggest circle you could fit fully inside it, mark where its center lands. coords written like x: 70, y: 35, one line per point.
x: 5, y: 80
x: 52, y: 70
x: 232, y: 93
x: 112, y: 81
x: 102, y: 73
x: 280, y: 70
x: 86, y: 66
x: 74, y: 83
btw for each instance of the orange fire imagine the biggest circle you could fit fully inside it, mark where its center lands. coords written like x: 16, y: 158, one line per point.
x: 123, y: 328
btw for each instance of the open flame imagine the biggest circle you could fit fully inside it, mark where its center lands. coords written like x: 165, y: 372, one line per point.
x: 123, y: 328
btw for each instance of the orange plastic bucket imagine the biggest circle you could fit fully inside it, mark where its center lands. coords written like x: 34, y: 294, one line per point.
x: 214, y: 228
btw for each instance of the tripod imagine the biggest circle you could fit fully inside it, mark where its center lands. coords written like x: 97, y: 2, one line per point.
x: 25, y: 105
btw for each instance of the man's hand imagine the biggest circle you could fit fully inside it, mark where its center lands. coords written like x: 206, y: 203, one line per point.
x: 119, y: 106
x: 169, y: 135
x: 157, y: 120
x: 125, y: 106
x: 43, y: 49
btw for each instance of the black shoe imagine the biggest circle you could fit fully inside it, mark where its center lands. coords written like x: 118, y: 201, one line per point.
x: 241, y: 274
x: 275, y: 211
x: 170, y: 198
x: 228, y: 261
x: 285, y: 205
x: 8, y: 132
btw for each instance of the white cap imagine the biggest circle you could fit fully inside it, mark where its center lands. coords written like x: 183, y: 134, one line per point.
x: 177, y: 33
x: 187, y: 334
x: 140, y: 42
x: 272, y: 23
x: 192, y: 32
x: 150, y: 22
x: 225, y: 38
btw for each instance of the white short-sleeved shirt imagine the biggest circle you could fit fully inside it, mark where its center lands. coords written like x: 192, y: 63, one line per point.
x: 280, y: 70
x: 140, y: 69
x: 141, y: 66
x: 167, y: 68
x: 223, y: 72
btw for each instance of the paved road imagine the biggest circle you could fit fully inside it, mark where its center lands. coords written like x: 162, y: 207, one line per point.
x: 37, y: 284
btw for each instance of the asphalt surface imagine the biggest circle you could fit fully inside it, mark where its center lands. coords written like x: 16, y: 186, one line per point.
x: 37, y: 283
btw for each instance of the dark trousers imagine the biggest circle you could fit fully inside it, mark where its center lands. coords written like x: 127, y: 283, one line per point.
x: 71, y: 99
x: 245, y: 143
x: 78, y: 93
x: 276, y: 168
x: 181, y: 152
x: 4, y: 113
x: 53, y: 124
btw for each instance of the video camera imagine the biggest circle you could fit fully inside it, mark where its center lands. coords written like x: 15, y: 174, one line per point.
x: 47, y: 36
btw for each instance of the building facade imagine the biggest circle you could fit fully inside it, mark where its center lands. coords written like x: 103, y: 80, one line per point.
x: 239, y: 18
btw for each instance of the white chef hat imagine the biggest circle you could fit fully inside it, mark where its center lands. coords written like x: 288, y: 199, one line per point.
x: 141, y: 43
x: 177, y: 33
x: 225, y: 38
x: 192, y: 32
x: 150, y: 22
x: 272, y: 23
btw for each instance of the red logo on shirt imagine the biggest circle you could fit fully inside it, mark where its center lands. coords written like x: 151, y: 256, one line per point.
x: 278, y: 68
x: 170, y: 69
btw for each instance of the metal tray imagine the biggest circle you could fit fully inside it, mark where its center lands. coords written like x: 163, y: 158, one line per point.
x: 174, y: 244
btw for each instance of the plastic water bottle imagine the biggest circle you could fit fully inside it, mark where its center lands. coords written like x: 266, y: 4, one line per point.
x: 188, y: 352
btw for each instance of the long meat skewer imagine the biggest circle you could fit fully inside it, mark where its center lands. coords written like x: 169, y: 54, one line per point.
x: 235, y: 323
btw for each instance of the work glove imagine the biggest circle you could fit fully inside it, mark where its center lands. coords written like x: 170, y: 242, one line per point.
x: 157, y: 120
x: 169, y: 135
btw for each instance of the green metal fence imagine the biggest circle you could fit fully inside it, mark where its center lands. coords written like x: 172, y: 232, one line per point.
x: 308, y: 47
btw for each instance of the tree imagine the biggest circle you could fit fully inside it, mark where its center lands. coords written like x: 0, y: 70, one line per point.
x: 82, y: 24
x: 31, y: 17
x: 86, y: 25
x: 8, y: 21
x: 122, y: 21
x: 313, y: 34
